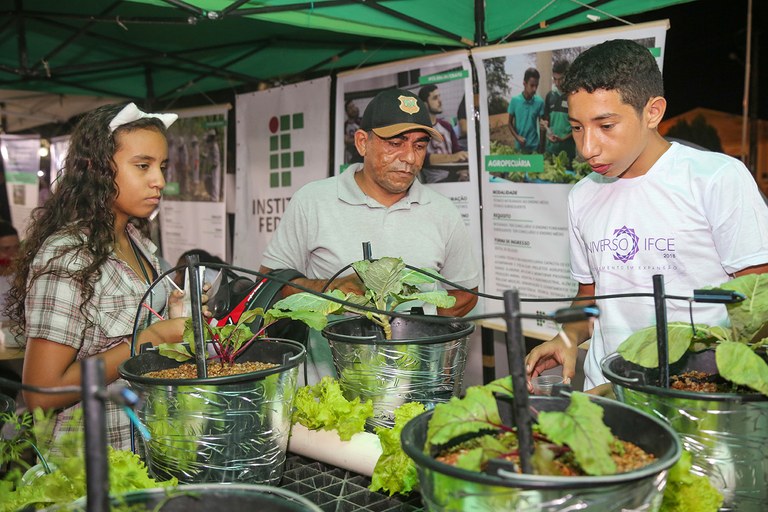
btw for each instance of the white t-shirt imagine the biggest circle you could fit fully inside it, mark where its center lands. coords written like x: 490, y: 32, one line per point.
x: 695, y: 217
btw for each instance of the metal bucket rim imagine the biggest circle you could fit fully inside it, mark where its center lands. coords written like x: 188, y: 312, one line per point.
x: 293, y: 362
x: 465, y: 329
x: 650, y: 389
x: 242, y: 489
x: 529, y: 481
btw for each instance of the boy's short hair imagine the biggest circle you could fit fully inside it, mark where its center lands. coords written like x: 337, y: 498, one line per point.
x: 531, y: 73
x: 621, y: 65
x: 560, y: 66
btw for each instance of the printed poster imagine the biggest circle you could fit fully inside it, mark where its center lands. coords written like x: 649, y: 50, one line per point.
x: 193, y: 209
x: 21, y: 161
x: 528, y: 166
x: 282, y: 144
x: 445, y: 84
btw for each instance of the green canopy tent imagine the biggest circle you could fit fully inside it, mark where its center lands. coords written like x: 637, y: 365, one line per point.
x: 162, y: 52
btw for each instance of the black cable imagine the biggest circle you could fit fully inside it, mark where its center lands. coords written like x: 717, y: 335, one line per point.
x: 59, y: 390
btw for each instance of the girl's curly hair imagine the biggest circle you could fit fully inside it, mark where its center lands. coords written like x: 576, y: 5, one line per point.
x: 81, y: 204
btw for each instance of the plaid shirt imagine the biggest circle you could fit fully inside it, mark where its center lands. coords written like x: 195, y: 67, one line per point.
x: 53, y: 313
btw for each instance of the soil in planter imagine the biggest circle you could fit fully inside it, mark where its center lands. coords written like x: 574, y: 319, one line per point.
x: 705, y: 383
x: 626, y: 455
x: 215, y: 369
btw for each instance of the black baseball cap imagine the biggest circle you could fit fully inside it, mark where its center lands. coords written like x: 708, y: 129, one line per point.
x: 395, y: 111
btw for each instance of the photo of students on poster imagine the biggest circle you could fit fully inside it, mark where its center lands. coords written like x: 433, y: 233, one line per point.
x: 195, y: 159
x: 529, y: 164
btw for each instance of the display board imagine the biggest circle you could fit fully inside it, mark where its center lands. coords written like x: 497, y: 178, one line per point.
x: 525, y: 187
x: 192, y: 212
x: 21, y: 161
x: 282, y: 144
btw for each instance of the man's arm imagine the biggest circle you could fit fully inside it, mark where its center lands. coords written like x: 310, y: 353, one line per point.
x: 465, y: 301
x: 756, y: 269
x: 347, y: 284
x: 520, y: 139
x: 448, y: 158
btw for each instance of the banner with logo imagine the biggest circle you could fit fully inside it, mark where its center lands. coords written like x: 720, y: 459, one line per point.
x: 282, y: 144
x: 21, y: 161
x: 446, y: 82
x: 525, y: 186
x: 192, y: 212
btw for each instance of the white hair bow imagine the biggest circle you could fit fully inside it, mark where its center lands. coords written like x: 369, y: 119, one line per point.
x: 131, y: 113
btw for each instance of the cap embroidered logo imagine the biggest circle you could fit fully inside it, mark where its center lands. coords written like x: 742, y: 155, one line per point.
x: 408, y: 104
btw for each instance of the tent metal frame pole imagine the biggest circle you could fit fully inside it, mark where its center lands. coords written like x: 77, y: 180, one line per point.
x: 745, y: 100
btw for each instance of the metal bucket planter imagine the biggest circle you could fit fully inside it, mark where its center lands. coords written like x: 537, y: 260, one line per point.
x: 220, y: 429
x: 205, y: 497
x: 726, y: 433
x: 424, y: 362
x: 448, y: 488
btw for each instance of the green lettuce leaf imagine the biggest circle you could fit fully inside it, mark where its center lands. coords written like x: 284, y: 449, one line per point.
x: 476, y: 412
x: 324, y: 407
x: 640, y: 348
x: 395, y: 471
x: 748, y: 317
x: 688, y: 492
x: 739, y: 364
x: 581, y: 428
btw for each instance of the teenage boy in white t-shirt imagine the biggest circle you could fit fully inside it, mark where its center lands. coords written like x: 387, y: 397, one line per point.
x: 650, y: 207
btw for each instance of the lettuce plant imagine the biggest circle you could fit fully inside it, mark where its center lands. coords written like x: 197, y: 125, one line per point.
x: 736, y: 347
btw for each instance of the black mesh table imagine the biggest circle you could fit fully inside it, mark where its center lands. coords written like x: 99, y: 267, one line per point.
x: 338, y: 490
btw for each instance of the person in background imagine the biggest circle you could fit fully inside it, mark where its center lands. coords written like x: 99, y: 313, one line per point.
x: 378, y: 201
x: 85, y: 264
x: 461, y: 124
x: 210, y: 161
x: 9, y: 248
x: 555, y: 119
x: 525, y: 111
x: 351, y: 125
x: 204, y: 257
x: 650, y: 207
x: 443, y: 151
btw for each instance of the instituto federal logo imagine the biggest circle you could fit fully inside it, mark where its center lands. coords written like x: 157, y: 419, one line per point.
x: 626, y: 242
x: 283, y: 156
x: 408, y: 104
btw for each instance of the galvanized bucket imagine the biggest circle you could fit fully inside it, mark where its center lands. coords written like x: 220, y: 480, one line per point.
x: 220, y: 429
x: 449, y: 488
x: 424, y: 362
x: 726, y: 433
x: 205, y: 497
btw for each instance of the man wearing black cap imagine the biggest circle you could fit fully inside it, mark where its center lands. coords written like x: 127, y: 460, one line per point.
x: 378, y: 201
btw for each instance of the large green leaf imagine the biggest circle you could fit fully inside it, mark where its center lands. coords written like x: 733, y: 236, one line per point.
x: 641, y: 347
x: 738, y: 363
x: 439, y: 298
x: 382, y: 276
x: 176, y: 351
x: 581, y: 428
x: 476, y: 412
x: 306, y: 301
x: 748, y: 316
x: 314, y: 319
x: 414, y: 277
